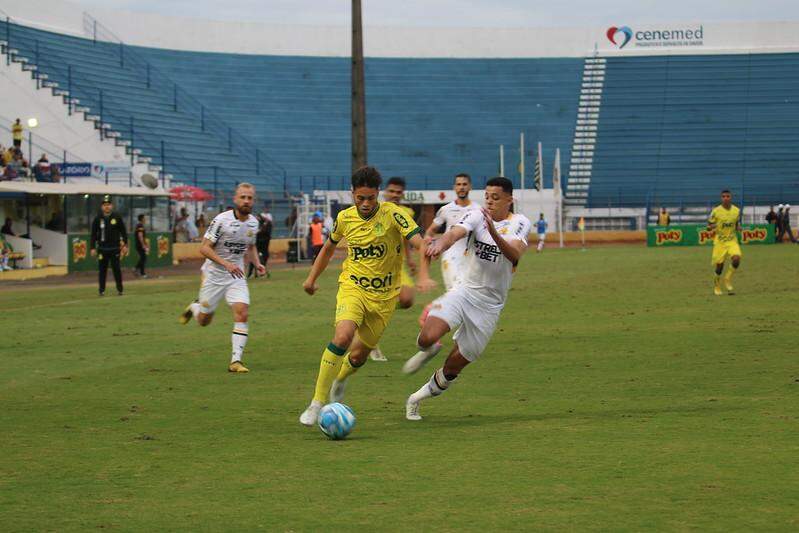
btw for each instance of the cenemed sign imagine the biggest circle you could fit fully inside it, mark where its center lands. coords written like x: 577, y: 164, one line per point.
x: 621, y: 36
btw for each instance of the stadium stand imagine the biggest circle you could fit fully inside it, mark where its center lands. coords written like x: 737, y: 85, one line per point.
x: 675, y: 130
x: 215, y: 110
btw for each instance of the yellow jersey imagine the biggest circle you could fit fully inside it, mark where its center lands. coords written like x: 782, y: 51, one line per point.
x: 375, y: 248
x: 726, y: 221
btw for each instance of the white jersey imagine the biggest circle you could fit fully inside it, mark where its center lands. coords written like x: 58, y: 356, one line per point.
x: 488, y: 272
x: 450, y: 214
x: 231, y: 238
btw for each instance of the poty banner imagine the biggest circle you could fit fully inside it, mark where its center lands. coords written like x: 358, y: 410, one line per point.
x: 699, y: 235
x: 80, y: 258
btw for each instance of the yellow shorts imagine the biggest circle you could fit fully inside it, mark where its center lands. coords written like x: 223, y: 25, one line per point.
x: 722, y: 250
x: 406, y: 278
x: 369, y: 313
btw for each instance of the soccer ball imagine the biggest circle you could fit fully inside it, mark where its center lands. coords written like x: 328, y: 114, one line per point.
x: 336, y: 420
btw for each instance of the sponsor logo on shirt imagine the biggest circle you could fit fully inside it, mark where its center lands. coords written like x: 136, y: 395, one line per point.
x: 372, y: 283
x: 373, y: 251
x: 401, y: 221
x: 486, y: 252
x: 234, y: 247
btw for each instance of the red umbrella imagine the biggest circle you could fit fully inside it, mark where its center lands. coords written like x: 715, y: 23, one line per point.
x: 189, y: 193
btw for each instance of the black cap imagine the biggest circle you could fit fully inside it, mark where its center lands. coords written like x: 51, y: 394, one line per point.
x: 107, y: 199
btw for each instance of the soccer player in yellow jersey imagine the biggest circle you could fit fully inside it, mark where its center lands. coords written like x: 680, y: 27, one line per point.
x: 394, y: 192
x: 725, y: 220
x: 369, y: 284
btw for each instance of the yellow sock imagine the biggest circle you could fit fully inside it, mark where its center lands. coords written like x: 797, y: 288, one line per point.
x: 346, y: 369
x: 332, y: 359
x: 730, y: 271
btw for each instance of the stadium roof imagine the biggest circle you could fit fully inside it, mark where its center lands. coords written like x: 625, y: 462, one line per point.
x: 77, y: 188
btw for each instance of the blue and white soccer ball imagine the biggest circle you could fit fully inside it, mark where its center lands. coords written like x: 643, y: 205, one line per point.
x: 336, y: 420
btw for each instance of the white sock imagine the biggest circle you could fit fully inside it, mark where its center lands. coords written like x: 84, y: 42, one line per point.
x: 239, y: 340
x: 435, y: 387
x: 195, y: 309
x: 540, y: 245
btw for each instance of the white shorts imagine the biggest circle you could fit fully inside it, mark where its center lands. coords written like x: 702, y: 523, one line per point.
x: 452, y: 271
x: 473, y: 324
x: 542, y: 236
x: 234, y: 290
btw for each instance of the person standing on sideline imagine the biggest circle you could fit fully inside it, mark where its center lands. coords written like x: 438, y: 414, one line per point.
x: 785, y: 226
x: 262, y: 239
x: 142, y: 246
x: 108, y: 242
x: 664, y: 219
x: 16, y: 133
x: 316, y: 234
x: 771, y: 217
x: 541, y: 228
x: 778, y: 224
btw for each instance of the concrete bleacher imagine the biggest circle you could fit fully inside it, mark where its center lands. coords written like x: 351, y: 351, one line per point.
x: 675, y: 130
x: 426, y: 118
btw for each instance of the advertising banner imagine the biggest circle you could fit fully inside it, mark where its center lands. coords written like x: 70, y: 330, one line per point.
x: 75, y: 170
x: 698, y: 235
x: 80, y: 258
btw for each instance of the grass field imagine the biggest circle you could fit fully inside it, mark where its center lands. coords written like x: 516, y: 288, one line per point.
x: 617, y: 394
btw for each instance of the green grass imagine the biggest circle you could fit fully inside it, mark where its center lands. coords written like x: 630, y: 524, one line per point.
x: 617, y: 393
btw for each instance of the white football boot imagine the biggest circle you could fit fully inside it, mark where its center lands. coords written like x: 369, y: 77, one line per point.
x: 421, y: 358
x: 310, y: 416
x: 412, y: 410
x: 377, y: 355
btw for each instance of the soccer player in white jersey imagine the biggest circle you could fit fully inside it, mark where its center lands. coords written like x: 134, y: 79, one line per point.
x: 453, y: 260
x: 229, y: 238
x: 496, y: 239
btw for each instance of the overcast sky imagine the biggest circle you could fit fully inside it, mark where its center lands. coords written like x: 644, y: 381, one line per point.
x: 466, y: 13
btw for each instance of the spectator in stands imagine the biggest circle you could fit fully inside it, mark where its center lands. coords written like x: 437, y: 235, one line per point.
x: 16, y: 133
x: 7, y: 228
x: 8, y: 155
x: 664, y: 219
x: 785, y: 227
x: 316, y: 235
x: 191, y: 229
x: 181, y: 226
x: 201, y: 224
x: 55, y: 175
x: 42, y: 170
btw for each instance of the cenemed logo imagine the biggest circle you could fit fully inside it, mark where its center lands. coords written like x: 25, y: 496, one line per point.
x: 621, y: 36
x: 626, y: 35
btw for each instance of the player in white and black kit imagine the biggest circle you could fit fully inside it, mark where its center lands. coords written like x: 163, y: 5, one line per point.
x: 496, y: 240
x: 452, y: 260
x: 229, y: 238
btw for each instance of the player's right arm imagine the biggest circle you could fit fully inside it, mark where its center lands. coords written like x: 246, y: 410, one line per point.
x: 711, y: 221
x: 438, y: 221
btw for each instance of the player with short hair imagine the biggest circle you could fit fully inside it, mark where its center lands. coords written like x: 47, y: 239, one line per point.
x: 369, y: 284
x: 394, y: 193
x: 230, y: 237
x: 496, y: 239
x: 725, y: 220
x: 541, y: 228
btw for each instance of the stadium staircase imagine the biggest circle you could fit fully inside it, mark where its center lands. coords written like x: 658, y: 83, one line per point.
x: 137, y: 106
x: 675, y: 130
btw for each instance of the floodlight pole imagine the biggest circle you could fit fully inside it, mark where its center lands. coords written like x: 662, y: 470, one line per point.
x: 358, y: 94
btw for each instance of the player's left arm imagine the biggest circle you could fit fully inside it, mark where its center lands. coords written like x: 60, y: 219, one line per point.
x: 510, y: 248
x: 255, y: 259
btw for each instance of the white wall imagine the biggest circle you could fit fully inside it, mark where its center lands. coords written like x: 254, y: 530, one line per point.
x: 53, y: 243
x: 22, y: 245
x: 21, y: 99
x: 256, y: 38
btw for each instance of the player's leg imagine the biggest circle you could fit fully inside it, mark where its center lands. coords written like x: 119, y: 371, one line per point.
x: 438, y: 383
x: 734, y: 251
x: 202, y: 309
x: 718, y: 259
x: 444, y: 316
x: 332, y: 359
x: 102, y: 270
x: 117, y: 270
x: 376, y: 318
x: 541, y: 237
x: 238, y: 339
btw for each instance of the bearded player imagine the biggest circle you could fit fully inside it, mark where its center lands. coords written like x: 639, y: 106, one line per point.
x: 229, y: 238
x: 725, y: 220
x: 369, y: 284
x: 496, y: 239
